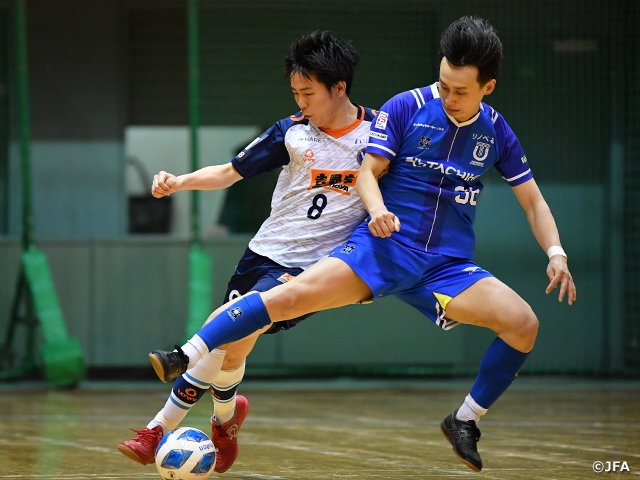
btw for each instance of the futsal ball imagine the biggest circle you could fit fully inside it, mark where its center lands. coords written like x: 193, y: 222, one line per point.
x: 185, y: 454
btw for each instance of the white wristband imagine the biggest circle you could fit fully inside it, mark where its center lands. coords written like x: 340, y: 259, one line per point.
x: 555, y: 250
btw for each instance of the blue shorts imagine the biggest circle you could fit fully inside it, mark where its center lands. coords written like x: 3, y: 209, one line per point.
x: 426, y: 281
x: 255, y: 273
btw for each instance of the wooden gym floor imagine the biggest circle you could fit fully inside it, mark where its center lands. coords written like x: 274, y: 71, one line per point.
x: 540, y: 429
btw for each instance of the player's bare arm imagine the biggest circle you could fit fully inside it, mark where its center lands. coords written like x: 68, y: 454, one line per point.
x: 213, y: 177
x: 382, y: 222
x: 544, y: 229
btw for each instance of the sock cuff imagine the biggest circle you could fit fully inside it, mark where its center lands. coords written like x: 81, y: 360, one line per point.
x: 235, y: 370
x: 474, y: 405
x: 508, y: 353
x: 228, y: 379
x: 199, y: 344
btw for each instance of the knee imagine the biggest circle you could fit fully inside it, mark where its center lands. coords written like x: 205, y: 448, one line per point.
x: 283, y: 302
x: 526, y: 325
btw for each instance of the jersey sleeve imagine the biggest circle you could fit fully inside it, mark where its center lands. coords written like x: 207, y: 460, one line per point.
x: 388, y: 126
x: 512, y: 163
x: 265, y: 153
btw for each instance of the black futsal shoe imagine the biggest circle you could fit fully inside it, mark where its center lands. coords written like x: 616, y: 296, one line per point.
x: 463, y: 437
x: 169, y: 365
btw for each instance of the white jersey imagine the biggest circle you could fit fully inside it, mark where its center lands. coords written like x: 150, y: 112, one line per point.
x: 315, y: 206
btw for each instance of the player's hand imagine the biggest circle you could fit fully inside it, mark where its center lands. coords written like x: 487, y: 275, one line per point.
x: 383, y: 224
x: 558, y: 273
x: 164, y: 184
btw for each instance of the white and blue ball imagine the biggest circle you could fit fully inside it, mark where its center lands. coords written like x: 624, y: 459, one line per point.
x: 185, y: 454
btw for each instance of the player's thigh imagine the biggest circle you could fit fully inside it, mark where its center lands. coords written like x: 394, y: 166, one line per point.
x: 330, y: 283
x: 492, y: 304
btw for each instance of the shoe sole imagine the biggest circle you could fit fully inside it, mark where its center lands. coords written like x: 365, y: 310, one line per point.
x: 131, y: 454
x: 466, y: 462
x: 157, y: 367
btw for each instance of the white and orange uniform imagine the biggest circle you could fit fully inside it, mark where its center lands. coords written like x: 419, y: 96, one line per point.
x: 315, y: 205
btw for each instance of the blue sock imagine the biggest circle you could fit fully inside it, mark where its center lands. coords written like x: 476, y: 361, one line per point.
x: 242, y: 318
x: 498, y: 369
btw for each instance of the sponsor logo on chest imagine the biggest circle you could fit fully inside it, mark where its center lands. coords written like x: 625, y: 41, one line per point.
x: 341, y: 181
x: 448, y: 170
x: 310, y: 139
x: 309, y: 156
x: 480, y: 153
x: 481, y: 149
x: 424, y: 143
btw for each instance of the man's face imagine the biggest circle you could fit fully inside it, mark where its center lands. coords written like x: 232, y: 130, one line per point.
x: 317, y: 104
x: 460, y: 91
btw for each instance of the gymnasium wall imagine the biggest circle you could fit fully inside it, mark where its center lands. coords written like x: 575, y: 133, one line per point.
x: 123, y: 298
x: 566, y: 87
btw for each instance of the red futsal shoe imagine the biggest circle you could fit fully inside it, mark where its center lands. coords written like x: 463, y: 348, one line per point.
x: 142, y: 447
x: 225, y: 437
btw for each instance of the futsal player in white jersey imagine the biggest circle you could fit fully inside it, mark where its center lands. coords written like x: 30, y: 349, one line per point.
x: 315, y: 207
x: 436, y: 142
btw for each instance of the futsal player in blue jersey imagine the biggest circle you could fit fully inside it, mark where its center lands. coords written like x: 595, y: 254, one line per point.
x: 436, y: 142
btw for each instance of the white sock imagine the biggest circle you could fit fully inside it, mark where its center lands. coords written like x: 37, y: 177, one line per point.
x: 200, y: 376
x: 159, y: 420
x: 224, y: 410
x: 470, y: 410
x: 195, y: 349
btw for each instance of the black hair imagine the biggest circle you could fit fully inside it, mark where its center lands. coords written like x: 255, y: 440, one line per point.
x: 323, y: 56
x: 472, y: 41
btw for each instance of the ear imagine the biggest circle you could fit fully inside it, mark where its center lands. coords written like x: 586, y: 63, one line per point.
x: 340, y: 88
x: 489, y: 87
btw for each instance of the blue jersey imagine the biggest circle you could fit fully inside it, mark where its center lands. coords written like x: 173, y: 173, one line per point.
x: 433, y: 181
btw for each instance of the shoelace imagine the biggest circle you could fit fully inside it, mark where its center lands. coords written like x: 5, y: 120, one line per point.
x: 178, y: 358
x: 469, y: 434
x: 145, y: 436
x: 220, y: 432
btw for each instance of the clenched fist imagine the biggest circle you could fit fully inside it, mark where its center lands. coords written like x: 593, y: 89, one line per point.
x: 164, y: 184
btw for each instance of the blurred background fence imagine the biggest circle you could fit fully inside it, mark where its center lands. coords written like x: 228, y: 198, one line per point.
x: 108, y: 82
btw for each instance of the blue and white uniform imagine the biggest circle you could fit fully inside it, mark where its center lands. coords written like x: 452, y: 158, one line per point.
x: 315, y: 205
x: 432, y: 186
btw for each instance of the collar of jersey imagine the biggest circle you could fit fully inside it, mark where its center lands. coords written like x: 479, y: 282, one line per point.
x: 463, y: 124
x: 341, y: 132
